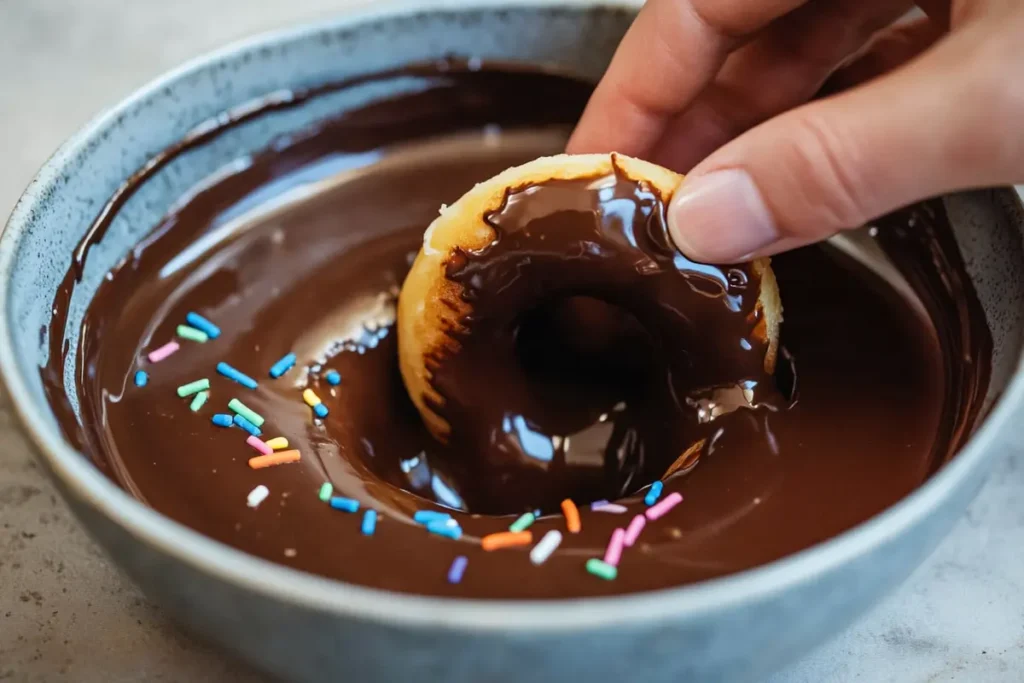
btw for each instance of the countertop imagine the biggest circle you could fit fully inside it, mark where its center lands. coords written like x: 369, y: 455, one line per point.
x: 66, y: 614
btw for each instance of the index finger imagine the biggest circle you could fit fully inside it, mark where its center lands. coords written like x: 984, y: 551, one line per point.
x: 672, y: 50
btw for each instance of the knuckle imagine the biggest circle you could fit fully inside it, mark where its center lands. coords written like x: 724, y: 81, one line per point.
x: 823, y: 163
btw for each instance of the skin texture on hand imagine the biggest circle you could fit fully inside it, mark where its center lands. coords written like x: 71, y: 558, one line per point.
x: 721, y: 90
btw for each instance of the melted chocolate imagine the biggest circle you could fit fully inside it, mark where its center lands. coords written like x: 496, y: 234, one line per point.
x: 688, y: 346
x: 313, y: 268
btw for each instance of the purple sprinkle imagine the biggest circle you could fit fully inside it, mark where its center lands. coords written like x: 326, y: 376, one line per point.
x: 598, y: 503
x: 613, y: 508
x: 458, y: 569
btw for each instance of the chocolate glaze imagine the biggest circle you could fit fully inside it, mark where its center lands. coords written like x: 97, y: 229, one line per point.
x: 688, y: 347
x: 885, y: 397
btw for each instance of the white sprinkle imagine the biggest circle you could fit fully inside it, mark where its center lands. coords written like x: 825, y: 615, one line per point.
x: 542, y: 551
x: 613, y: 508
x: 257, y: 496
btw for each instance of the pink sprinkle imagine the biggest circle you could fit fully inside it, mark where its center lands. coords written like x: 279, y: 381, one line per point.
x: 613, y: 553
x: 633, y: 530
x: 163, y: 352
x: 614, y: 508
x: 659, y: 509
x: 258, y: 444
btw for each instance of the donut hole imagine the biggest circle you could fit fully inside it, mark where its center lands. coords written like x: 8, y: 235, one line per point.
x: 587, y: 365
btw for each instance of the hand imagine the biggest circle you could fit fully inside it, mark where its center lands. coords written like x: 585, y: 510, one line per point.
x: 931, y: 105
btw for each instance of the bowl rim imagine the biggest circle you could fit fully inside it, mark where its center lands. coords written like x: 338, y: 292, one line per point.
x: 277, y: 582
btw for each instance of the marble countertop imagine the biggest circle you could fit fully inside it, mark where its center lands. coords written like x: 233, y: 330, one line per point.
x: 66, y: 614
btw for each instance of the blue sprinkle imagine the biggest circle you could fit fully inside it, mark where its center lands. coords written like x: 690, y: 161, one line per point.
x: 243, y: 379
x: 199, y: 322
x: 333, y: 378
x: 458, y: 569
x: 445, y: 527
x: 141, y: 378
x: 282, y: 366
x: 321, y: 410
x: 247, y: 426
x: 221, y: 420
x: 537, y: 513
x: 654, y: 493
x: 346, y: 504
x: 369, y: 522
x: 427, y: 516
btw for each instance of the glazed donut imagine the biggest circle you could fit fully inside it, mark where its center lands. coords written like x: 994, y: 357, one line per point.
x: 438, y: 308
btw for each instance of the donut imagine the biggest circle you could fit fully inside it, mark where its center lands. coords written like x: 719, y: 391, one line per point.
x: 437, y: 313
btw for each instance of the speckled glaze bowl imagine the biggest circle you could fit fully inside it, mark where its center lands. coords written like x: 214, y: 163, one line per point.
x: 306, y: 628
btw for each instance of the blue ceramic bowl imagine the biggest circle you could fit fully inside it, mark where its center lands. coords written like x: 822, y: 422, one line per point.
x: 306, y: 628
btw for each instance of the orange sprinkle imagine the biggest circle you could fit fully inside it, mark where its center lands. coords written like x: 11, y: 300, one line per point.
x: 279, y: 458
x: 506, y: 539
x: 572, y: 516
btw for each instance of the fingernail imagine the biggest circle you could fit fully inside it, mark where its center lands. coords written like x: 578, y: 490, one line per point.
x: 720, y: 217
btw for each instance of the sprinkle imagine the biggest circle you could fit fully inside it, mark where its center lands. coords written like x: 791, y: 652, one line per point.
x: 282, y: 366
x: 613, y: 553
x: 310, y: 397
x: 199, y: 401
x: 427, y: 516
x: 458, y: 568
x: 326, y: 489
x: 163, y: 352
x: 345, y: 504
x: 257, y: 496
x: 193, y: 387
x: 221, y: 420
x: 523, y: 523
x: 240, y: 377
x: 141, y: 378
x: 572, y: 516
x: 192, y: 334
x: 633, y: 530
x: 369, y: 523
x: 198, y: 321
x: 654, y: 493
x: 333, y: 378
x: 598, y: 503
x: 542, y: 551
x: 659, y: 510
x: 506, y: 539
x: 246, y: 412
x: 601, y: 569
x: 613, y: 508
x: 448, y: 528
x: 320, y: 410
x: 258, y: 444
x: 246, y: 425
x: 278, y: 443
x: 280, y: 458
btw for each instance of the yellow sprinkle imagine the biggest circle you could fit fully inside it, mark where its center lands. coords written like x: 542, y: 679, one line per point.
x: 310, y: 397
x: 278, y: 443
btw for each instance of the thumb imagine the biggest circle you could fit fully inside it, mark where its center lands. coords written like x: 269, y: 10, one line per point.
x: 947, y: 121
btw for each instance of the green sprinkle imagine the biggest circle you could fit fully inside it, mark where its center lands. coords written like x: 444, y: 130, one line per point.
x: 601, y: 569
x: 523, y: 523
x: 246, y: 412
x: 192, y: 334
x: 326, y: 489
x: 199, y: 401
x: 193, y: 387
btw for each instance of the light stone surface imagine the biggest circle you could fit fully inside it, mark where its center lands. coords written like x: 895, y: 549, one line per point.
x: 66, y: 614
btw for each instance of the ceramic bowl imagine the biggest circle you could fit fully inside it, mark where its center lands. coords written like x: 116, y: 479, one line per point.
x: 306, y: 628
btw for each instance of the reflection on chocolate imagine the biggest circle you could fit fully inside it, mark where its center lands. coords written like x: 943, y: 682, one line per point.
x: 885, y: 396
x: 602, y: 422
